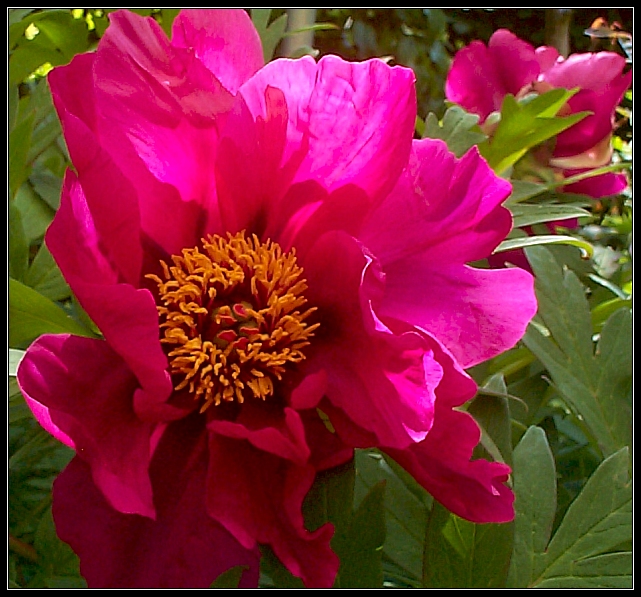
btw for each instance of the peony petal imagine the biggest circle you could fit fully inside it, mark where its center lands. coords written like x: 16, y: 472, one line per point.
x: 454, y: 389
x: 262, y: 142
x: 481, y: 76
x: 384, y: 382
x: 597, y: 94
x: 182, y: 548
x: 65, y: 81
x: 126, y: 316
x: 475, y: 313
x: 107, y: 198
x: 225, y: 41
x: 357, y: 119
x: 452, y: 205
x: 258, y: 498
x: 328, y: 449
x: 87, y: 391
x: 159, y: 108
x: 283, y: 436
x: 474, y: 490
x: 578, y: 70
x: 603, y: 185
x: 74, y: 98
x: 547, y: 57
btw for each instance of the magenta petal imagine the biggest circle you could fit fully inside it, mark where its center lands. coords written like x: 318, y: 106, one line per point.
x: 475, y: 313
x: 65, y: 81
x: 281, y: 436
x: 384, y: 382
x: 262, y: 142
x: 74, y: 98
x: 159, y: 107
x: 452, y: 205
x: 126, y: 316
x: 258, y: 498
x: 599, y: 186
x: 182, y: 548
x: 108, y: 197
x: 225, y: 41
x: 597, y: 94
x: 87, y: 390
x: 358, y: 118
x: 474, y: 490
x: 481, y: 76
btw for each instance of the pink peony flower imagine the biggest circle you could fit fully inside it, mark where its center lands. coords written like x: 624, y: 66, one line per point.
x: 256, y: 243
x: 481, y: 76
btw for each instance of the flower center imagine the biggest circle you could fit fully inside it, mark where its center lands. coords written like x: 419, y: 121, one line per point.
x: 230, y: 317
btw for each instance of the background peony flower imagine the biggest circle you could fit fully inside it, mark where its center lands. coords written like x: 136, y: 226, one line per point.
x: 255, y: 242
x: 481, y: 76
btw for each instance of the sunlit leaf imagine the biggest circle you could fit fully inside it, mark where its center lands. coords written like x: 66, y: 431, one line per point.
x: 522, y: 242
x: 530, y: 214
x: 524, y: 125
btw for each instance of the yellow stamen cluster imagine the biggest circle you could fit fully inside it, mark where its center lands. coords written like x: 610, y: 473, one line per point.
x: 230, y: 317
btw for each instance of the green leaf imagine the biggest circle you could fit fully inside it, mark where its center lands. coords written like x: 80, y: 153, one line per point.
x: 331, y: 497
x: 68, y: 35
x: 596, y: 384
x: 598, y: 520
x: 17, y: 14
x: 18, y: 244
x: 58, y: 563
x: 229, y: 579
x: 526, y: 124
x: 270, y: 35
x: 46, y: 185
x: 31, y: 315
x: 18, y: 409
x: 529, y: 214
x: 544, y: 239
x: 19, y: 142
x: 359, y: 547
x: 45, y: 277
x: 27, y: 58
x: 463, y: 555
x: 492, y: 413
x: 358, y: 535
x: 15, y: 355
x: 523, y: 190
x: 459, y: 129
x: 602, y: 312
x: 167, y: 16
x: 535, y: 490
x: 406, y: 510
x: 35, y: 214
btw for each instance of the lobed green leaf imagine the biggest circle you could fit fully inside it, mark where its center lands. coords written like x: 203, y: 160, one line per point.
x: 595, y: 383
